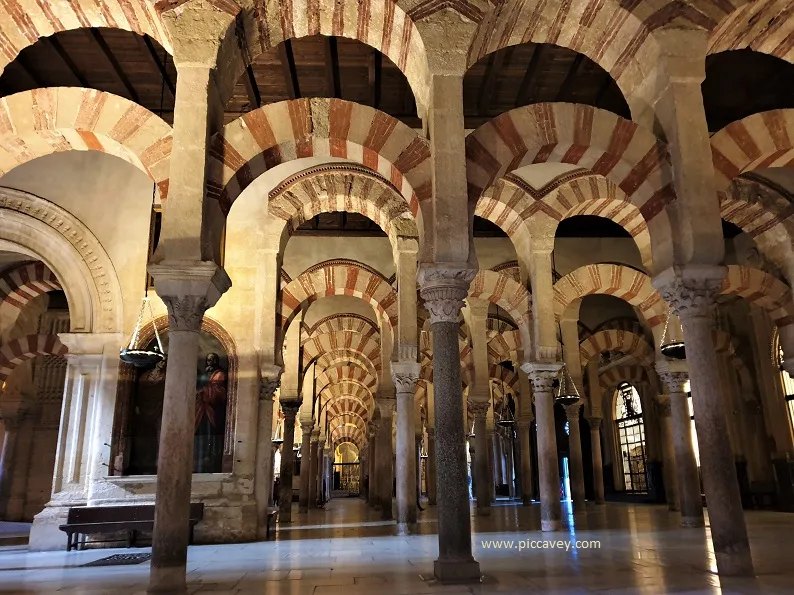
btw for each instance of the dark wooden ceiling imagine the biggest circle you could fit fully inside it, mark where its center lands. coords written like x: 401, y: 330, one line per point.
x: 738, y: 83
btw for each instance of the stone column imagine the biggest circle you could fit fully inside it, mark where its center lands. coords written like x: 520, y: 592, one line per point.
x: 598, y: 463
x: 575, y: 463
x: 306, y: 465
x: 314, y: 468
x: 668, y: 452
x: 481, y: 455
x: 11, y: 424
x: 418, y: 467
x: 690, y: 291
x: 687, y: 481
x: 431, y: 466
x: 385, y: 466
x: 525, y: 441
x: 405, y: 376
x: 443, y: 290
x: 511, y: 465
x: 495, y: 447
x: 269, y: 378
x: 373, y: 497
x: 542, y: 376
x: 290, y: 410
x: 188, y: 291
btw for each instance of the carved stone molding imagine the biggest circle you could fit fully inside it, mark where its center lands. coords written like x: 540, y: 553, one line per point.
x: 269, y: 381
x: 478, y: 408
x: 405, y: 376
x: 443, y: 289
x: 572, y: 412
x: 541, y: 376
x: 185, y: 313
x: 690, y: 291
x: 290, y: 409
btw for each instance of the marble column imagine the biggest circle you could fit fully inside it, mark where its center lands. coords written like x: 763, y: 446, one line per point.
x: 510, y: 465
x: 385, y: 466
x: 314, y: 468
x: 306, y: 466
x: 11, y: 423
x: 188, y: 291
x: 405, y: 376
x: 373, y: 495
x: 431, y: 466
x: 418, y: 467
x: 690, y: 502
x: 690, y: 291
x: 542, y: 376
x: 525, y: 442
x: 495, y: 447
x: 598, y: 463
x: 443, y: 290
x: 269, y: 378
x: 482, y: 469
x: 490, y: 441
x: 575, y: 462
x: 668, y: 452
x: 290, y: 410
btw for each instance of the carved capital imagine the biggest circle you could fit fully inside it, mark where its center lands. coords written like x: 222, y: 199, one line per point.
x: 478, y: 408
x: 405, y: 376
x: 387, y: 404
x: 307, y: 427
x: 541, y: 376
x: 572, y: 412
x: 673, y: 381
x: 269, y: 381
x: 595, y: 423
x: 290, y: 409
x: 443, y: 289
x: 524, y: 422
x: 663, y: 405
x: 372, y: 428
x: 690, y: 291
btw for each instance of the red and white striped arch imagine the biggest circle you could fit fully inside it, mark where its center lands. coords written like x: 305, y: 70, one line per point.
x: 614, y: 376
x: 343, y: 322
x: 350, y: 418
x: 760, y: 289
x: 341, y: 357
x: 765, y: 26
x: 616, y: 340
x: 347, y: 405
x: 629, y: 156
x: 339, y: 277
x: 45, y: 121
x: 23, y: 22
x: 20, y: 284
x: 281, y: 132
x: 503, y: 291
x: 621, y: 281
x: 336, y: 374
x: 24, y: 348
x: 367, y: 344
x: 506, y: 346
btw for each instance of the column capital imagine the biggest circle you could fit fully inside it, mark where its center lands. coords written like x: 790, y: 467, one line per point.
x: 188, y: 290
x: 479, y: 408
x: 290, y: 408
x: 690, y: 290
x: 372, y: 428
x: 405, y: 375
x: 269, y: 380
x: 673, y: 375
x: 542, y: 375
x: 663, y: 403
x: 307, y: 427
x: 387, y: 404
x: 572, y: 412
x: 316, y: 434
x: 443, y: 287
x: 524, y: 422
x: 595, y: 423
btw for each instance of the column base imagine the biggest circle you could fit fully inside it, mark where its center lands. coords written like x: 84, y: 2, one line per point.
x: 692, y: 522
x: 483, y: 511
x: 457, y: 571
x: 526, y: 500
x: 406, y: 528
x: 170, y: 579
x: 550, y: 525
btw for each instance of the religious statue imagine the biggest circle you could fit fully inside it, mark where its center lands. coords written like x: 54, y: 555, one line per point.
x: 210, y: 417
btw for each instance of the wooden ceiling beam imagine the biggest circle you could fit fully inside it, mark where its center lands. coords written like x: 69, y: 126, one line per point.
x: 53, y: 42
x: 524, y: 95
x: 333, y: 84
x: 495, y: 62
x: 568, y: 83
x: 288, y: 69
x: 148, y: 50
x: 375, y: 75
x: 95, y: 36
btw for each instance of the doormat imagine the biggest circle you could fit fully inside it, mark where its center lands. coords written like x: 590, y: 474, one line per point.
x: 120, y: 560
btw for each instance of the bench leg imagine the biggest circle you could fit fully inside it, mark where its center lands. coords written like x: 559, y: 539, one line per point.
x: 129, y: 539
x: 68, y: 542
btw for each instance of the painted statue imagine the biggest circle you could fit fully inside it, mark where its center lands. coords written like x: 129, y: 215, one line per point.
x: 211, y: 396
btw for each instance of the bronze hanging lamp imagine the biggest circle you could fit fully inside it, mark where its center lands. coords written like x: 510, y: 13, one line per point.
x: 672, y: 342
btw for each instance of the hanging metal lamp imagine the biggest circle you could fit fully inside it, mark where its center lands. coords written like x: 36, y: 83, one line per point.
x: 506, y: 421
x: 567, y: 393
x: 672, y: 342
x: 143, y: 357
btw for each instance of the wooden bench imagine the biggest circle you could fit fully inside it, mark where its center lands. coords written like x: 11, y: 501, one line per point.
x: 91, y: 520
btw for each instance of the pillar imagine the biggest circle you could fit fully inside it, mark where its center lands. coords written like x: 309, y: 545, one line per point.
x: 525, y: 443
x: 306, y: 466
x: 490, y: 441
x: 482, y: 469
x: 668, y: 452
x: 690, y: 502
x: 385, y: 466
x: 542, y: 376
x: 290, y: 410
x: 373, y: 496
x: 431, y: 466
x: 690, y: 291
x: 269, y: 378
x: 314, y: 468
x: 598, y: 463
x: 507, y: 440
x: 11, y: 423
x: 575, y: 463
x: 188, y: 291
x: 405, y: 376
x: 418, y: 452
x: 443, y: 290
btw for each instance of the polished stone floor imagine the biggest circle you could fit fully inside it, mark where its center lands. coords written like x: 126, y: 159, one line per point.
x: 346, y: 550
